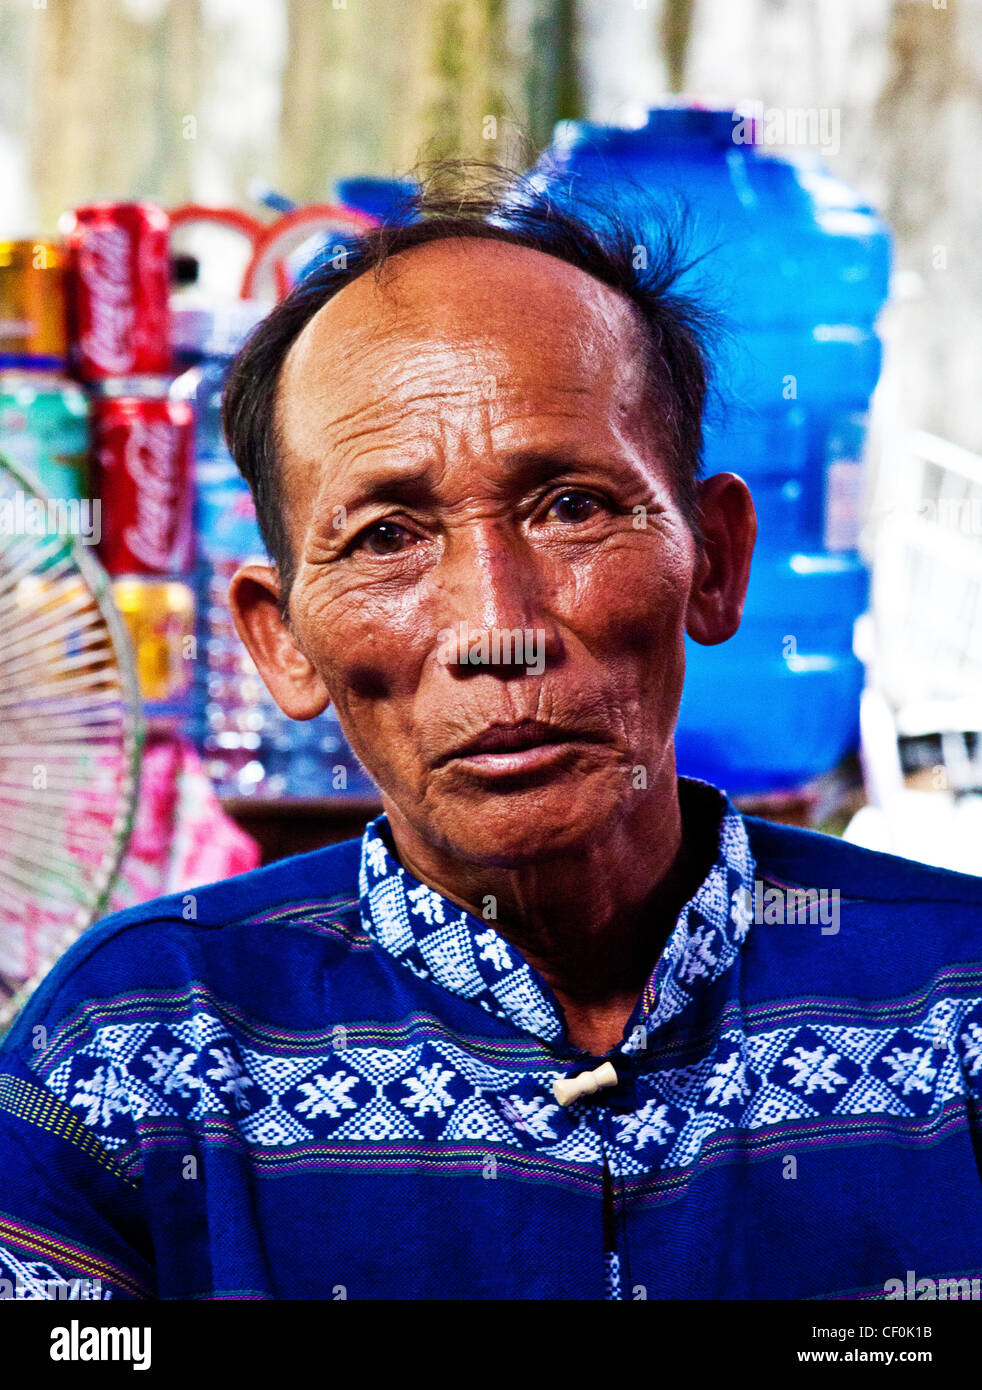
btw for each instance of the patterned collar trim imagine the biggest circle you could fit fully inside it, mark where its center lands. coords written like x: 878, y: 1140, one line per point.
x: 439, y: 941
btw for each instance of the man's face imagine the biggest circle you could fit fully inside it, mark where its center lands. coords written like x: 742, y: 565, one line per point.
x: 471, y: 445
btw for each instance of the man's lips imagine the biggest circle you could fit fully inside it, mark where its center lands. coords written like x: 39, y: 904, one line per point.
x: 518, y: 747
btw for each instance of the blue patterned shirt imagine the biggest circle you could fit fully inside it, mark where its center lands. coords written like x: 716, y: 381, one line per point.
x: 325, y: 1080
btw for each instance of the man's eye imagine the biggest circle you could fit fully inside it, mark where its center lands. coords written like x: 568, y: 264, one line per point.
x: 571, y: 507
x: 385, y: 538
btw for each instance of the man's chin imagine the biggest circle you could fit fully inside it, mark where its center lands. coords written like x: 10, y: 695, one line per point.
x: 527, y: 821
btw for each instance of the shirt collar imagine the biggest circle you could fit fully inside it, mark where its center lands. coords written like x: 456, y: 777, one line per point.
x: 439, y: 941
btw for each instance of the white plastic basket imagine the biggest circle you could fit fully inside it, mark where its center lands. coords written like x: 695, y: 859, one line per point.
x: 922, y: 644
x: 927, y: 586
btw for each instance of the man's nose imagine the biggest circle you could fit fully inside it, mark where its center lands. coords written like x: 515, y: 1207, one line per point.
x: 496, y: 609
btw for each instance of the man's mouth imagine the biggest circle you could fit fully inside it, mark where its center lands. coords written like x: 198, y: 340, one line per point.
x: 525, y: 746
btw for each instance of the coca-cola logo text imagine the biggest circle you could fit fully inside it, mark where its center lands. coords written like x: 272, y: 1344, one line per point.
x: 105, y: 266
x: 152, y: 458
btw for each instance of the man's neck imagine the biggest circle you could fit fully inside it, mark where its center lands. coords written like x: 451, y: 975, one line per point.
x: 592, y: 924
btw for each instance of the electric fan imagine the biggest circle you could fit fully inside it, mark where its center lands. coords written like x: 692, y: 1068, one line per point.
x: 70, y: 734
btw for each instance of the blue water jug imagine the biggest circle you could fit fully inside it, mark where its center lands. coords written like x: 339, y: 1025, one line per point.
x: 798, y: 265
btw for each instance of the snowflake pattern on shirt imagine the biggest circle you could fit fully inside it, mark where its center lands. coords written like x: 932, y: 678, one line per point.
x: 435, y: 1089
x: 439, y: 1092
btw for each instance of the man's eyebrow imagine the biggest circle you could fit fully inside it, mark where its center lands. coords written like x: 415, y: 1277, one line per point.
x: 530, y: 465
x: 400, y: 484
x: 409, y: 486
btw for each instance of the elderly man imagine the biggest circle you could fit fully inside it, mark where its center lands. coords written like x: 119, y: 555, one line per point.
x: 546, y: 1030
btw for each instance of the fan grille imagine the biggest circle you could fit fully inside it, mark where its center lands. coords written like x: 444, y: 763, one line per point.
x: 70, y: 735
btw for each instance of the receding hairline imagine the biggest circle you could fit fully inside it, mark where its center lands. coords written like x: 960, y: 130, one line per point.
x: 386, y: 277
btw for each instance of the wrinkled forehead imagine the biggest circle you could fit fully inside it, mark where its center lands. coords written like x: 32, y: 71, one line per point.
x: 456, y: 322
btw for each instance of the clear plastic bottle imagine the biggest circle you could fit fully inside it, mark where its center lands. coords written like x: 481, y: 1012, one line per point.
x: 250, y: 748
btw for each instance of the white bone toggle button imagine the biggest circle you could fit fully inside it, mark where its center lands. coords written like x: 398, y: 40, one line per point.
x: 566, y: 1089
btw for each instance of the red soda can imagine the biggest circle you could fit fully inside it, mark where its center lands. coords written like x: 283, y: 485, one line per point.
x: 143, y: 458
x: 118, y: 288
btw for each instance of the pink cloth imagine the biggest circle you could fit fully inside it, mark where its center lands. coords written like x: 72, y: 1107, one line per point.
x: 182, y: 838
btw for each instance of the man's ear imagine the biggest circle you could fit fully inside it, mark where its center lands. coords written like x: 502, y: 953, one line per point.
x: 254, y: 598
x: 719, y: 585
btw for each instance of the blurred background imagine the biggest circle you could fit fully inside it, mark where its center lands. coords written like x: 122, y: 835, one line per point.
x: 831, y: 153
x: 95, y: 96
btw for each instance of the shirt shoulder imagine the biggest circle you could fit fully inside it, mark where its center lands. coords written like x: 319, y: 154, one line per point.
x: 868, y: 925
x: 163, y: 943
x: 813, y: 859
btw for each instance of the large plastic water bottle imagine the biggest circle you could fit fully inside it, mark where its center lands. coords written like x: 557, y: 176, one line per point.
x: 798, y: 265
x: 249, y: 746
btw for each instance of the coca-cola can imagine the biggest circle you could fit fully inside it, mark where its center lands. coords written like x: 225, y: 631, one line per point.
x: 118, y: 288
x: 143, y: 450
